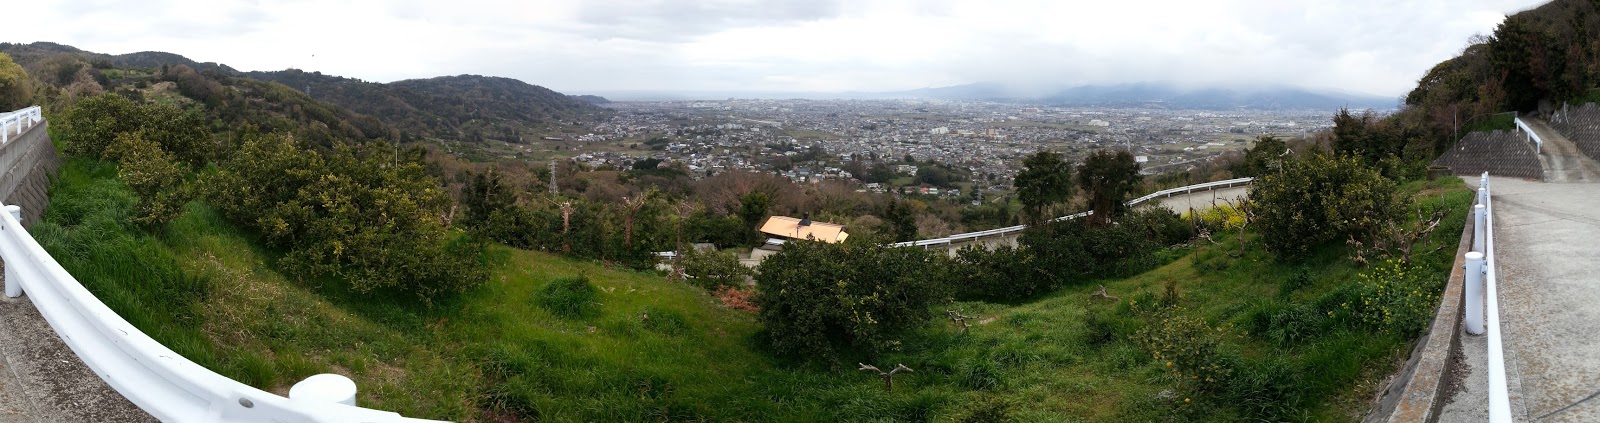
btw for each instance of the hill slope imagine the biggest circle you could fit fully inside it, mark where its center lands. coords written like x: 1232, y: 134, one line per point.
x: 465, y: 107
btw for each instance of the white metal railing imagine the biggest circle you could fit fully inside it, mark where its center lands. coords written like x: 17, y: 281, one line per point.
x: 20, y: 119
x: 1499, y: 396
x: 1019, y: 228
x: 1191, y: 188
x: 153, y: 377
x: 1538, y: 143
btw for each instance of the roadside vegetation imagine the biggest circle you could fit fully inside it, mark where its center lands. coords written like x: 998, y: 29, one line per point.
x: 547, y: 337
x: 270, y: 237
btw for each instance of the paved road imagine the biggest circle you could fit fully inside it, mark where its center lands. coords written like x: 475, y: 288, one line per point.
x: 1547, y: 238
x: 41, y: 380
x: 1204, y: 199
x: 1561, y: 159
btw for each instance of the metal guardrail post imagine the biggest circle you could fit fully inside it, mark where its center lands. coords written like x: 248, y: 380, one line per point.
x: 13, y: 283
x: 1474, y: 292
x: 326, y: 387
x: 1479, y: 215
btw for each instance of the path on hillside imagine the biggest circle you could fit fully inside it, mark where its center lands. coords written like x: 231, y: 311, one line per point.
x: 42, y: 380
x: 1562, y: 160
x: 1547, y: 241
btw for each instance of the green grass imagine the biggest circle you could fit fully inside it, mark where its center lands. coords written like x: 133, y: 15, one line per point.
x: 642, y: 348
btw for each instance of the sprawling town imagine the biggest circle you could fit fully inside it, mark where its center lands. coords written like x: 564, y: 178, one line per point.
x: 988, y: 139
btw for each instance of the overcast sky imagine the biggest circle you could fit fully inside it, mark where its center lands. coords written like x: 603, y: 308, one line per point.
x: 1371, y: 46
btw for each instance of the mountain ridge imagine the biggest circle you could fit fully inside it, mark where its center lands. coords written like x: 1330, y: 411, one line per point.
x: 464, y: 107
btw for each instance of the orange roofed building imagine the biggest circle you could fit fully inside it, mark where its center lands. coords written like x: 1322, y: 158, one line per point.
x: 803, y: 229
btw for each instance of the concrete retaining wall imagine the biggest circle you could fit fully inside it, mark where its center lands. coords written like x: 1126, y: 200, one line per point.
x: 30, y: 163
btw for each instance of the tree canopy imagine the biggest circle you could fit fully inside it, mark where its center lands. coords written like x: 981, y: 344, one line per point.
x: 14, y: 92
x: 1107, y: 178
x: 1045, y: 180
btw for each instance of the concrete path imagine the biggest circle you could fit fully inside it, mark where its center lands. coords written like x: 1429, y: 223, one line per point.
x: 1547, y: 238
x: 1562, y: 160
x: 41, y: 380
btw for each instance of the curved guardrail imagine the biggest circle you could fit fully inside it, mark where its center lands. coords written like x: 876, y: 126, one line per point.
x: 1538, y: 143
x: 150, y: 375
x: 20, y: 119
x: 1019, y: 228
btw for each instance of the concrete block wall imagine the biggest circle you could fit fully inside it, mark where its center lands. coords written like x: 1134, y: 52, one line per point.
x: 27, y: 166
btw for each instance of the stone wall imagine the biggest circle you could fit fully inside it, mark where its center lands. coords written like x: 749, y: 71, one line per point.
x: 1501, y: 153
x: 29, y: 162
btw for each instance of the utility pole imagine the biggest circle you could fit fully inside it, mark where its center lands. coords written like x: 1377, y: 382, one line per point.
x: 553, y: 190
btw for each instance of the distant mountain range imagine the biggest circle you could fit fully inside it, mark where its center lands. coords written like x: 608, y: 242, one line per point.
x: 465, y: 107
x: 1162, y: 95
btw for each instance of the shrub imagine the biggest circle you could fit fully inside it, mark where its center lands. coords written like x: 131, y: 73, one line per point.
x: 820, y: 300
x: 572, y: 298
x: 1075, y: 249
x: 1160, y: 225
x: 350, y: 213
x: 1002, y: 275
x: 1321, y: 199
x: 712, y: 269
x: 93, y: 124
x: 152, y: 174
x: 1187, y: 347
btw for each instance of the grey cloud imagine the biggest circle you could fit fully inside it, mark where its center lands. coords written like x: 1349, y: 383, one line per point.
x: 678, y: 20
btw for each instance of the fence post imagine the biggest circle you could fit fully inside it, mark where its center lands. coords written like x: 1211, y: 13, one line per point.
x: 13, y: 284
x: 326, y: 387
x: 1474, y: 292
x: 1479, y: 213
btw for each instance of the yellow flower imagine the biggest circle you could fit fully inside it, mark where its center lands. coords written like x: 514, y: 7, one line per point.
x: 1169, y: 364
x: 1185, y: 400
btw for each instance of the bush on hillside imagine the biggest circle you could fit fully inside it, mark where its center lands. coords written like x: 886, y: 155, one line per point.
x: 93, y: 124
x: 1188, y: 348
x: 1076, y: 249
x: 572, y: 298
x: 1003, y: 274
x: 712, y: 269
x: 1321, y: 199
x: 350, y: 213
x: 152, y: 174
x: 821, y: 301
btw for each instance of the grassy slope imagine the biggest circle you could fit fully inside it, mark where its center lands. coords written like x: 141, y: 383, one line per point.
x: 209, y: 293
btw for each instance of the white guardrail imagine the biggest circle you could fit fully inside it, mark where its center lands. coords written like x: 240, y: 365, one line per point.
x: 150, y: 375
x: 1499, y: 396
x: 1481, y: 288
x: 1538, y: 143
x: 21, y: 120
x: 1135, y: 202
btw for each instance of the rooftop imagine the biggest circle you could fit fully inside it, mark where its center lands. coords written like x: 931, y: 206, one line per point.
x: 789, y: 227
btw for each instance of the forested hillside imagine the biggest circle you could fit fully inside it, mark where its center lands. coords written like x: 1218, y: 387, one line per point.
x: 470, y: 108
x: 1535, y: 61
x: 467, y: 108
